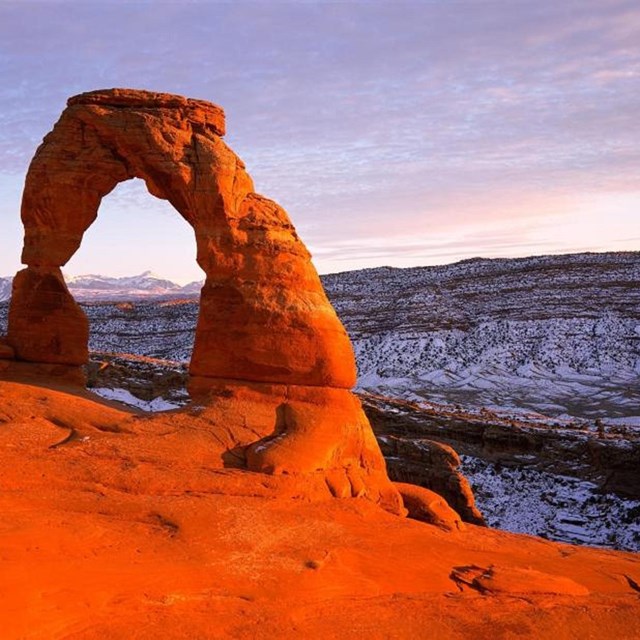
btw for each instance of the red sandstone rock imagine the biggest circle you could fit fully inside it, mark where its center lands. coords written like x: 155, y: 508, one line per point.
x: 516, y: 580
x: 6, y: 351
x: 314, y: 434
x: 264, y: 315
x: 118, y: 524
x: 265, y: 323
x: 426, y: 505
x: 45, y: 323
x: 429, y: 464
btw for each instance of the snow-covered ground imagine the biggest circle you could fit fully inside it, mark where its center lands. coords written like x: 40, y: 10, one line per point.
x: 556, y: 334
x: 558, y: 507
x: 583, y: 367
x: 126, y: 397
x: 160, y: 329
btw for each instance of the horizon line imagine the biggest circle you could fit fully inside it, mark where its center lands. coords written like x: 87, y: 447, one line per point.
x: 151, y: 273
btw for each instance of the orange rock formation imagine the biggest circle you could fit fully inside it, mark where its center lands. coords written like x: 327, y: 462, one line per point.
x: 118, y: 524
x: 220, y: 520
x: 264, y: 316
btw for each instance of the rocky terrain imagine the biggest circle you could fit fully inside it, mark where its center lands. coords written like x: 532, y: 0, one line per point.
x: 568, y: 480
x: 555, y: 334
x: 120, y: 524
x: 579, y: 347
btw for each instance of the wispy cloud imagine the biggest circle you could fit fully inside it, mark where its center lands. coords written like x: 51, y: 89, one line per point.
x: 365, y: 120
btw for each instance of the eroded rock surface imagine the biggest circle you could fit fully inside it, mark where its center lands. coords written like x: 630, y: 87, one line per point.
x: 428, y: 506
x: 45, y: 322
x: 118, y: 524
x: 415, y: 460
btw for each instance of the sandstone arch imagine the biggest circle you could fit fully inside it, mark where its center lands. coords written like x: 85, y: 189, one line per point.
x: 272, y: 364
x: 263, y: 314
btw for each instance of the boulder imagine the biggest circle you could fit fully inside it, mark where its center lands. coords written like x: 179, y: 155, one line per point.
x: 431, y: 465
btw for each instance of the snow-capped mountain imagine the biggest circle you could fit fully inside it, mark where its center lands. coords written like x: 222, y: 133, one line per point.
x: 96, y: 287
x: 192, y: 288
x: 146, y: 281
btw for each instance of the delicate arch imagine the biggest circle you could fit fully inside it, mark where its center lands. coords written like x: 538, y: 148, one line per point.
x: 263, y: 313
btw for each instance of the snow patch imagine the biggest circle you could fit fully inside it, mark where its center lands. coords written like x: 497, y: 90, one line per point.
x: 126, y: 397
x: 561, y: 508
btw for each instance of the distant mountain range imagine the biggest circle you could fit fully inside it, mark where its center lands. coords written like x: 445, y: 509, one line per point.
x: 147, y: 285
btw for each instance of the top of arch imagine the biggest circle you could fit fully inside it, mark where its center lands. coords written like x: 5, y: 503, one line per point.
x: 198, y: 111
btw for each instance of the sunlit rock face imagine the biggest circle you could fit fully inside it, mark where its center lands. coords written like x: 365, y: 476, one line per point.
x: 264, y: 315
x: 265, y: 326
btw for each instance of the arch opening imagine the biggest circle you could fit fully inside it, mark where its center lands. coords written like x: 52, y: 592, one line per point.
x: 141, y: 325
x: 135, y: 232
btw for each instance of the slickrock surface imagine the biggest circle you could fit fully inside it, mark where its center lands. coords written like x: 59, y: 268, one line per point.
x: 124, y: 525
x: 427, y: 506
x: 263, y: 315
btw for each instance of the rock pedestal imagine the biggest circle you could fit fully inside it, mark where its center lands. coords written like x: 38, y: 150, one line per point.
x: 46, y: 323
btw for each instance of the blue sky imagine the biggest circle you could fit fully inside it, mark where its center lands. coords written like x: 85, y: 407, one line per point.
x: 393, y: 133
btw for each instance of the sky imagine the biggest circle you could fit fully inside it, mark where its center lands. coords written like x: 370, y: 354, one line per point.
x: 393, y: 133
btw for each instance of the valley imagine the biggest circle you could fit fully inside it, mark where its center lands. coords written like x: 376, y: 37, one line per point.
x: 555, y: 334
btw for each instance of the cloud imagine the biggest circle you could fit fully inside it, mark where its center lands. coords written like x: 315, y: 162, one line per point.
x: 360, y: 118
